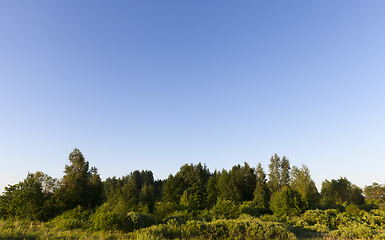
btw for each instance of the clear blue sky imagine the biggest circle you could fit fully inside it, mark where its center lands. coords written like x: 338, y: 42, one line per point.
x: 157, y: 84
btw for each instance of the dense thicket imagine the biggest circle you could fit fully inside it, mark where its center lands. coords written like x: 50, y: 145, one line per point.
x: 192, y: 193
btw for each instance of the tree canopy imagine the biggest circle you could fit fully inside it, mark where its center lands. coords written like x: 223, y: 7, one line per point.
x: 285, y: 190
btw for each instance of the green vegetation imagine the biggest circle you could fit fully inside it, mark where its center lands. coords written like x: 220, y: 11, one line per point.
x: 192, y: 204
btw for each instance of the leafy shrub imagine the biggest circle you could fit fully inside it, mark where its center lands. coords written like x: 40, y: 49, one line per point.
x: 319, y: 228
x: 205, y: 215
x: 180, y: 220
x: 316, y: 217
x: 104, y: 219
x: 225, y: 209
x: 287, y: 202
x: 139, y: 220
x: 72, y: 219
x: 269, y: 218
x: 248, y: 208
x: 245, y: 227
x: 164, y: 209
x: 301, y: 223
x: 353, y: 232
x: 352, y: 210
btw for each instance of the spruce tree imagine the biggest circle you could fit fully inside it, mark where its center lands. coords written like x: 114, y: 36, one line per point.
x: 261, y: 192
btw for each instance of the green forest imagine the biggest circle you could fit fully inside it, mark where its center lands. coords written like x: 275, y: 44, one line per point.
x: 244, y: 202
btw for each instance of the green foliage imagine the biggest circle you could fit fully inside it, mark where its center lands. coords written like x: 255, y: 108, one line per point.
x: 147, y: 196
x: 375, y: 192
x: 279, y: 173
x: 164, y: 209
x: 212, y: 189
x: 288, y: 202
x: 353, y: 232
x: 190, y: 181
x: 320, y: 217
x: 339, y: 192
x: 227, y: 189
x: 105, y: 219
x: 251, y: 209
x: 195, y: 205
x: 139, y: 220
x: 269, y: 218
x: 261, y: 192
x: 225, y: 209
x: 244, y: 179
x: 352, y: 210
x: 245, y: 227
x: 81, y: 185
x: 302, y: 182
x: 24, y: 200
x: 72, y: 219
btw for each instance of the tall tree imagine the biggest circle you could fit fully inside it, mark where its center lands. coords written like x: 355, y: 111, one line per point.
x: 24, y: 200
x: 244, y: 179
x: 77, y: 183
x: 279, y: 173
x: 227, y: 188
x: 190, y: 182
x: 261, y: 192
x: 375, y: 192
x: 173, y: 189
x: 302, y: 182
x: 212, y: 189
x: 147, y: 196
x: 95, y: 188
x: 274, y: 182
x: 341, y: 192
x: 285, y: 172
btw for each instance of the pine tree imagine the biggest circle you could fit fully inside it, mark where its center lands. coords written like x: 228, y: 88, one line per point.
x: 212, y: 189
x: 227, y: 189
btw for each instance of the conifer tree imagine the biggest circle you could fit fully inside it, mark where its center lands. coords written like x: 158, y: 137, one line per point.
x: 227, y: 189
x: 262, y: 192
x: 212, y: 189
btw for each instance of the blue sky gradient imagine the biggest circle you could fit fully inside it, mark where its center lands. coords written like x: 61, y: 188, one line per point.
x: 157, y: 84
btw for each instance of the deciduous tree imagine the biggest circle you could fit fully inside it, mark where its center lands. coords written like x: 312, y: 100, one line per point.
x: 279, y: 173
x: 302, y: 182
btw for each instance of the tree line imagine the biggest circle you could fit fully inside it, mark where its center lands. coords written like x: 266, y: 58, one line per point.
x: 285, y: 191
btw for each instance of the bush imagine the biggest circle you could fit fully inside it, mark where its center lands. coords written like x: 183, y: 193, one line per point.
x: 319, y: 228
x: 316, y: 217
x: 107, y: 220
x: 269, y: 218
x: 353, y: 232
x: 248, y: 208
x: 225, y: 209
x: 287, y: 202
x: 72, y: 219
x: 180, y: 220
x: 139, y: 220
x: 104, y: 219
x: 164, y: 209
x: 352, y: 210
x: 245, y: 227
